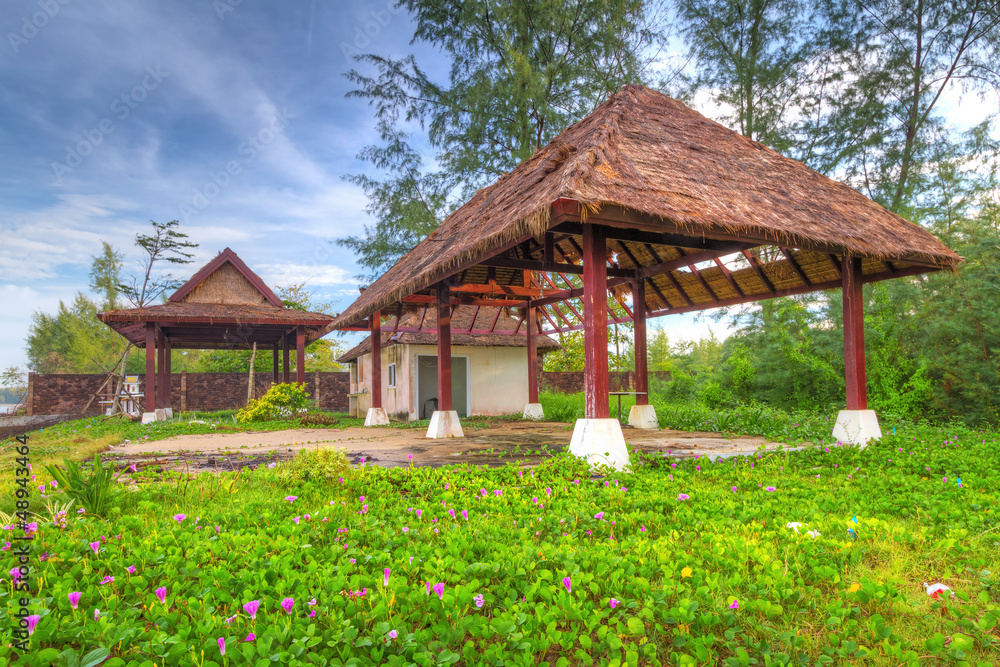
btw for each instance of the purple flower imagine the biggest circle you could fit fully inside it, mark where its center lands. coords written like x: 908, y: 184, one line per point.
x: 74, y: 598
x: 599, y: 516
x: 479, y: 600
x: 613, y: 602
x: 733, y: 489
x: 108, y: 580
x: 32, y: 621
x: 568, y: 584
x: 770, y: 488
x: 250, y: 637
x: 222, y: 645
x: 452, y: 513
x: 287, y: 605
x: 97, y: 612
x: 392, y: 633
x: 683, y: 496
x: 387, y: 572
x: 95, y: 546
x: 291, y: 499
x: 439, y: 589
x: 251, y: 608
x: 161, y: 593
x: 130, y: 569
x: 465, y: 515
x: 735, y: 605
x: 132, y: 468
x: 296, y: 520
x: 180, y: 517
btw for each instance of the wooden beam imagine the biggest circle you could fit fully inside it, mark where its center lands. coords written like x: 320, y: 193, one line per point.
x: 376, y: 338
x: 639, y: 342
x: 532, y: 346
x: 300, y: 354
x: 151, y: 379
x: 444, y: 346
x: 275, y: 367
x: 854, y: 335
x: 693, y: 258
x: 795, y: 266
x: 161, y: 364
x: 286, y: 372
x: 701, y: 281
x: 535, y: 265
x: 615, y: 232
x: 729, y: 277
x: 759, y: 270
x: 595, y: 333
x: 167, y: 398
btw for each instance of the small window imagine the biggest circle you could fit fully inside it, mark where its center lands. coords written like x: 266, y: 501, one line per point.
x: 392, y: 376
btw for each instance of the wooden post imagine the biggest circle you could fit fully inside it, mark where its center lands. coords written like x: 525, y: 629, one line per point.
x: 854, y: 335
x: 184, y: 391
x: 285, y: 344
x: 595, y: 316
x: 300, y: 353
x: 168, y: 400
x: 161, y: 364
x: 532, y: 354
x: 639, y: 345
x: 376, y: 338
x: 30, y: 397
x: 444, y: 347
x: 150, y: 367
x: 275, y: 368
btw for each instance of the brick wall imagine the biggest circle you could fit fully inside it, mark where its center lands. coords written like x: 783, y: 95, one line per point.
x: 68, y: 394
x: 572, y: 382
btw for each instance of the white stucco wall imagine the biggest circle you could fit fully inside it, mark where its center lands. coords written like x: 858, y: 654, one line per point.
x: 498, y: 379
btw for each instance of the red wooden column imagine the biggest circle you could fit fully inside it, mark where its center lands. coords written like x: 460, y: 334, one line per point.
x: 595, y: 320
x: 531, y: 320
x: 376, y: 329
x: 151, y: 378
x: 300, y: 354
x: 167, y: 398
x: 854, y: 335
x: 444, y: 346
x: 161, y: 365
x: 275, y: 368
x: 285, y: 344
x: 639, y: 345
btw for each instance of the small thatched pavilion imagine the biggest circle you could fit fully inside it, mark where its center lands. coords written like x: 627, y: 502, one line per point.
x: 224, y: 306
x: 650, y: 200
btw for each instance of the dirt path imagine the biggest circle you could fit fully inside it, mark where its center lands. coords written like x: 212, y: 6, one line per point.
x: 499, y: 444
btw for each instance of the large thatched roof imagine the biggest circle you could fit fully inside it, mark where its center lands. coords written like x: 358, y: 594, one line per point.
x: 644, y: 158
x: 420, y: 328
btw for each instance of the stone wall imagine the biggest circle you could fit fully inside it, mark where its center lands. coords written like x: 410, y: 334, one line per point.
x: 68, y: 394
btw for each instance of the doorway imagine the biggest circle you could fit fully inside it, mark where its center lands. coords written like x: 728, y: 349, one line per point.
x: 427, y: 365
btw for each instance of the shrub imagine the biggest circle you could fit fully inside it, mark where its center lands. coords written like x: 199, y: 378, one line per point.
x: 94, y: 492
x: 281, y: 400
x: 561, y: 407
x: 326, y: 465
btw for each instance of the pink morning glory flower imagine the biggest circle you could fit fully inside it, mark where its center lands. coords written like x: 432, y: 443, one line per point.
x: 251, y: 608
x: 734, y: 605
x: 130, y: 569
x: 392, y: 633
x: 599, y: 516
x: 296, y: 520
x: 108, y: 580
x: 32, y: 622
x: 180, y: 517
x: 452, y: 513
x: 291, y: 499
x: 465, y: 515
x: 287, y: 605
x: 95, y: 546
x: 387, y: 572
x: 683, y: 496
x: 250, y: 637
x: 428, y: 585
x: 479, y: 600
x: 439, y: 589
x: 74, y: 598
x: 613, y: 603
x: 222, y: 645
x: 733, y: 489
x: 97, y: 612
x: 568, y: 584
x: 161, y: 593
x: 770, y: 488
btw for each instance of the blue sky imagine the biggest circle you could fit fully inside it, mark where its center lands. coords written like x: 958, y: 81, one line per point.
x: 227, y: 115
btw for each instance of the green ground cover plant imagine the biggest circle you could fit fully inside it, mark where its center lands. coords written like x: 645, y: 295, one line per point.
x: 679, y: 562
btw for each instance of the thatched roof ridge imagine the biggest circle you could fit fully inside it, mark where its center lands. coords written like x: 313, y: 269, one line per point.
x: 461, y: 319
x: 646, y: 152
x: 221, y: 313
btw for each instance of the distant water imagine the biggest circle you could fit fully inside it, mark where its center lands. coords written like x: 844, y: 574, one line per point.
x: 7, y: 408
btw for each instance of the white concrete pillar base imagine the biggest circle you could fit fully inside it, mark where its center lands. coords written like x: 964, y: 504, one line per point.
x: 643, y: 416
x: 376, y: 417
x: 533, y: 411
x: 149, y: 417
x: 600, y: 442
x: 857, y: 427
x: 168, y: 413
x: 445, y: 424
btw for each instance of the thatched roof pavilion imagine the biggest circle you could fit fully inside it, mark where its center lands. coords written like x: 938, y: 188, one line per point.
x: 224, y: 305
x: 649, y: 199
